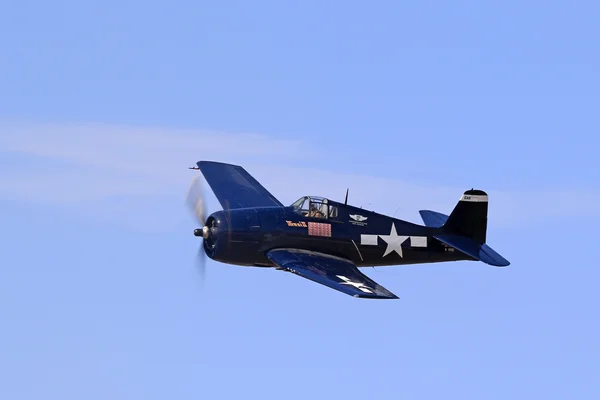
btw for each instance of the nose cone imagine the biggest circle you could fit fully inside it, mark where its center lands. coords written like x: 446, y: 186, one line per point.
x: 204, y: 232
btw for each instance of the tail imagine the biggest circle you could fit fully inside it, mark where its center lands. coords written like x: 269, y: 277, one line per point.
x: 466, y: 227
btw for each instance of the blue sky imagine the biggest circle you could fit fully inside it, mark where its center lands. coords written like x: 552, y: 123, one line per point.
x: 104, y: 105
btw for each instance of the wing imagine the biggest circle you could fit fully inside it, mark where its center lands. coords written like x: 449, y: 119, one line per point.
x: 234, y: 187
x: 336, y: 273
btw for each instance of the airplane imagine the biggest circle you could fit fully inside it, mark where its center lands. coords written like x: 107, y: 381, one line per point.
x: 327, y: 241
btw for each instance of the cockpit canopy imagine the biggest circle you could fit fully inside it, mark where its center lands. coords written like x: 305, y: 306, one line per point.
x: 316, y: 207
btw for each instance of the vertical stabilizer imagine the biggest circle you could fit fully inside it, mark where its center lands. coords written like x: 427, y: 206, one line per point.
x: 465, y: 228
x: 469, y: 217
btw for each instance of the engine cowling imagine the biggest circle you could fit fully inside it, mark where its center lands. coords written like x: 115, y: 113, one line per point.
x: 231, y: 236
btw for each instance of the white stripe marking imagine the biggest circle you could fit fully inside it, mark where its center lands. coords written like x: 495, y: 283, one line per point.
x: 371, y: 240
x: 418, y: 241
x: 368, y: 240
x: 474, y: 198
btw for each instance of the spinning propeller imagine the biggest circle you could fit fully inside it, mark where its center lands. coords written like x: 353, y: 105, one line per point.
x: 210, y: 230
x: 197, y: 205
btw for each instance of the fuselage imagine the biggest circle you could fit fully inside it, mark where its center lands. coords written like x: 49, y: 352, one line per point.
x: 366, y: 238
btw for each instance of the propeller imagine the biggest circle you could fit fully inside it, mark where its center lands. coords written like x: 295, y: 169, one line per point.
x: 197, y: 205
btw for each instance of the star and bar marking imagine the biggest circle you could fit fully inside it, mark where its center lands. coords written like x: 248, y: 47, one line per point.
x: 394, y: 241
x: 359, y: 285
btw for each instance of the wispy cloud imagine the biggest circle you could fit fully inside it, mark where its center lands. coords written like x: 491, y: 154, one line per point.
x: 135, y: 149
x: 134, y: 169
x: 72, y: 163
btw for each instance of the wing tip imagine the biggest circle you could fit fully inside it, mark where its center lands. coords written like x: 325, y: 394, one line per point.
x: 391, y: 296
x: 211, y: 162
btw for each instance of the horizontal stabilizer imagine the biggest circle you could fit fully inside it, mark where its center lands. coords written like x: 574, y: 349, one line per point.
x: 480, y: 252
x: 433, y: 219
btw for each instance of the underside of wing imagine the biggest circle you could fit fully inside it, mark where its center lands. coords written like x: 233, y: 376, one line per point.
x: 337, y: 273
x: 234, y: 187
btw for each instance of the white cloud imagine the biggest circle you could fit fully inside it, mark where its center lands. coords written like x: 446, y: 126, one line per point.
x: 130, y: 172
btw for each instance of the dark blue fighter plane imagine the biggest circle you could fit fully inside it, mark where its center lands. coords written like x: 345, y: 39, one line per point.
x: 326, y: 241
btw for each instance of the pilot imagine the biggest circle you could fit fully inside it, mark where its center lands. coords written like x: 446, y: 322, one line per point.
x: 315, y: 212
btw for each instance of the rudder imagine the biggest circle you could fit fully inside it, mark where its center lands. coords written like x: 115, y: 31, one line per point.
x: 469, y: 217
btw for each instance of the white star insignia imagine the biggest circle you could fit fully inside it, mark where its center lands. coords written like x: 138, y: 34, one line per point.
x: 360, y: 286
x: 394, y: 242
